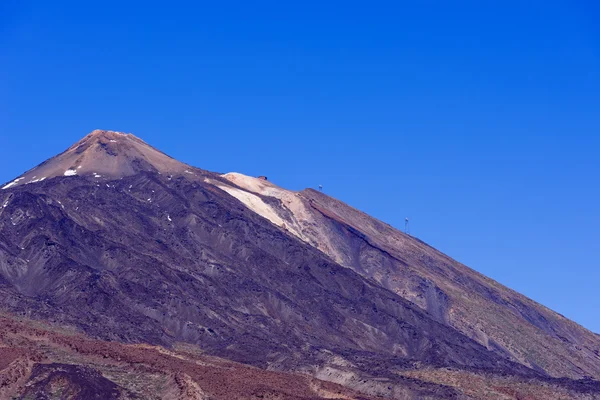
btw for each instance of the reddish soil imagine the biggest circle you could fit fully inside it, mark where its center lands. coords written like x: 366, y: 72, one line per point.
x: 191, y: 376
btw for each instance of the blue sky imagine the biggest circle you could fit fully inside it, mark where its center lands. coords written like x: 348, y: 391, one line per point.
x: 480, y: 122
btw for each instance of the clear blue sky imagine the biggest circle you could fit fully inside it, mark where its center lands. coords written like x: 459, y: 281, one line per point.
x: 479, y: 122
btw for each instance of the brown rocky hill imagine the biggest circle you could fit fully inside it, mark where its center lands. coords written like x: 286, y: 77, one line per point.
x: 126, y: 244
x: 42, y: 361
x: 39, y: 361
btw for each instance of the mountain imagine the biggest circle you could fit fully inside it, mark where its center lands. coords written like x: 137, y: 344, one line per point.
x: 501, y: 319
x: 130, y: 248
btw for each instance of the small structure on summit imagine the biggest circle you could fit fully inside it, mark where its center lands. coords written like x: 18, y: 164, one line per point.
x: 264, y: 178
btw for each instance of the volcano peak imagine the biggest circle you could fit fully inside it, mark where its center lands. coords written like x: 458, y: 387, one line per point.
x: 103, y: 153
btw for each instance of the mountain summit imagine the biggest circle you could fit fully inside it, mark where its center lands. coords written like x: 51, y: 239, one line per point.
x: 106, y: 154
x: 236, y: 267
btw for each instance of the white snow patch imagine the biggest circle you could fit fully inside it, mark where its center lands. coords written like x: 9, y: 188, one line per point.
x: 188, y: 172
x: 169, y: 218
x: 13, y: 183
x: 70, y: 172
x: 79, y: 167
x: 35, y: 180
x: 113, y: 141
x: 97, y: 175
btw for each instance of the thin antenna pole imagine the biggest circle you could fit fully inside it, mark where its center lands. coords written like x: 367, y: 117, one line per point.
x: 406, y: 226
x: 321, y: 188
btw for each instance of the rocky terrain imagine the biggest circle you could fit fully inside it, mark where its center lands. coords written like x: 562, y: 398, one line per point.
x: 500, y: 319
x: 41, y: 361
x: 120, y: 247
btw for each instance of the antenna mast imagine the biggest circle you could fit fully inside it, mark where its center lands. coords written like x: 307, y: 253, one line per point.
x: 406, y: 226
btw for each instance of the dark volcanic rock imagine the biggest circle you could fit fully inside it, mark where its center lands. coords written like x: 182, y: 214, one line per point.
x: 73, y: 382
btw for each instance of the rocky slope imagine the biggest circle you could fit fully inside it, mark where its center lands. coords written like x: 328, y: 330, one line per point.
x: 504, y: 321
x: 39, y: 361
x: 136, y: 247
x: 43, y: 361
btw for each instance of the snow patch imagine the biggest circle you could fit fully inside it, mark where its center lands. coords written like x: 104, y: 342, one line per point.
x: 169, y: 218
x: 113, y: 141
x: 35, y: 180
x: 13, y: 183
x: 70, y: 172
x: 188, y: 172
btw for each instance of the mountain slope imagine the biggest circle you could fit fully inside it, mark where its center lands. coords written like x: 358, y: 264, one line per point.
x: 41, y: 361
x: 153, y: 260
x: 504, y: 321
x: 159, y: 252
